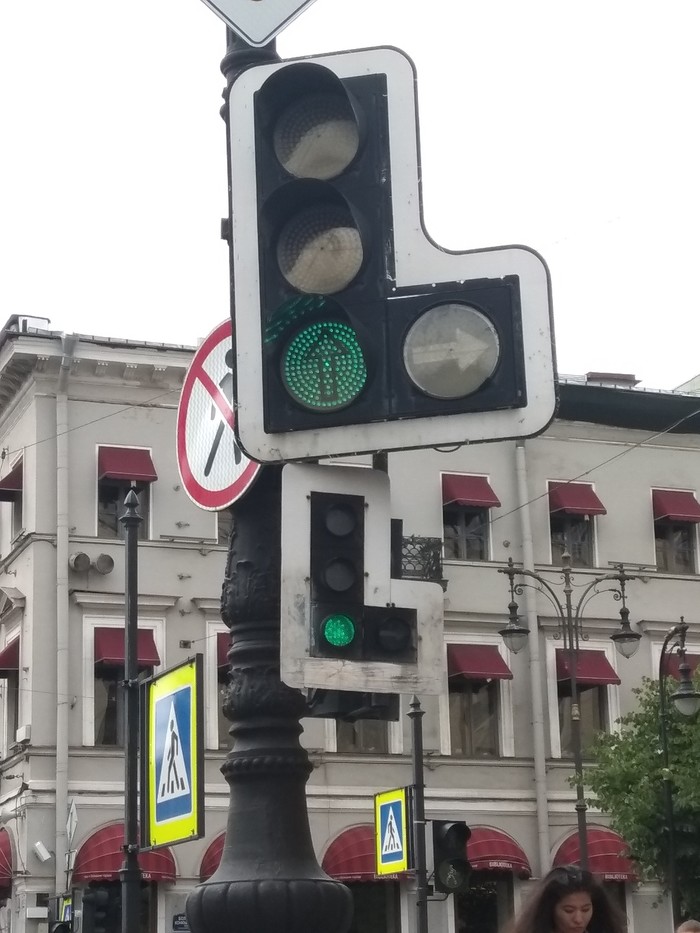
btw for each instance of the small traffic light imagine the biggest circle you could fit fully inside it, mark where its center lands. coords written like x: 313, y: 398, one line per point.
x: 95, y: 904
x: 349, y: 705
x: 450, y: 863
x: 353, y: 331
x: 60, y: 926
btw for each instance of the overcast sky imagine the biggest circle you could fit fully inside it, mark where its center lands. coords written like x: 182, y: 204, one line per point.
x: 570, y: 128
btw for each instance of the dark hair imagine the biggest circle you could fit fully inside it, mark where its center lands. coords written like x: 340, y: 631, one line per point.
x: 538, y: 913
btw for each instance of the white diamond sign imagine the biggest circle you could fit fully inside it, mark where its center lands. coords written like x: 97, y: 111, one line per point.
x: 257, y: 21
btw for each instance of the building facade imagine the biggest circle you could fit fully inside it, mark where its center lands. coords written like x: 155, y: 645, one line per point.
x: 84, y: 419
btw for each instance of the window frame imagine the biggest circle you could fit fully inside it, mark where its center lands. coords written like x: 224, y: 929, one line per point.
x: 394, y: 735
x: 691, y: 528
x: 145, y: 508
x: 506, y: 732
x: 612, y: 711
x: 90, y: 623
x: 211, y: 684
x: 461, y: 538
x: 8, y: 730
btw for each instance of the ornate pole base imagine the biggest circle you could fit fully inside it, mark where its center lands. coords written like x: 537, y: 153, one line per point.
x: 269, y: 879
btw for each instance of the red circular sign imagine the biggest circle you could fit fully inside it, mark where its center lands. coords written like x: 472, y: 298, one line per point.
x: 214, y: 470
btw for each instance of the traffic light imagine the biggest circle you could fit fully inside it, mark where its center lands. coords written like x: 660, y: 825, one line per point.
x: 349, y: 706
x: 450, y: 864
x: 95, y: 904
x: 60, y: 926
x: 345, y: 623
x: 354, y: 331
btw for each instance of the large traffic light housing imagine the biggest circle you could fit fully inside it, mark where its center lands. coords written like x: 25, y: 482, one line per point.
x: 450, y: 864
x: 345, y: 625
x: 95, y: 909
x: 354, y: 331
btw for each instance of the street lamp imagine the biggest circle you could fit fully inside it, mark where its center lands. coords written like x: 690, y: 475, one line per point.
x: 687, y: 701
x: 570, y: 619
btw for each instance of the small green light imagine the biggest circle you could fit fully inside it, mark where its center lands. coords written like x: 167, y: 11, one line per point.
x: 323, y: 366
x: 338, y: 630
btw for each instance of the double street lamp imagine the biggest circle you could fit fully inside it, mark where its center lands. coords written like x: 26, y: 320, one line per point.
x: 687, y: 701
x: 570, y: 619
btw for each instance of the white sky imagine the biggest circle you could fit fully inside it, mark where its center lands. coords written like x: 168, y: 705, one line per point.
x: 570, y: 128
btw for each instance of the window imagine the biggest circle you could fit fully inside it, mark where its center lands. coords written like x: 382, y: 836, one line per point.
x: 9, y: 689
x: 109, y: 677
x: 572, y: 507
x: 120, y: 469
x: 364, y: 737
x: 11, y: 490
x: 376, y: 907
x: 224, y: 526
x: 223, y: 676
x: 676, y: 513
x: 487, y: 906
x: 594, y: 674
x: 466, y: 503
x: 474, y: 675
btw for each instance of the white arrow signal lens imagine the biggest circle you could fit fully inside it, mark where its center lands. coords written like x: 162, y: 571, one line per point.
x: 451, y: 350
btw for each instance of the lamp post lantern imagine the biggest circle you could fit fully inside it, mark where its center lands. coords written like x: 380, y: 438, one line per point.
x: 570, y: 620
x: 687, y: 701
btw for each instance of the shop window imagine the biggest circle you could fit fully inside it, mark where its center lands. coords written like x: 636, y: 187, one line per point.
x: 362, y: 737
x: 376, y: 907
x: 487, y: 906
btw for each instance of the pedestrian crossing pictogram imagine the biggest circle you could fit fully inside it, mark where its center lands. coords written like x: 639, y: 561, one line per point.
x: 173, y: 781
x: 391, y: 843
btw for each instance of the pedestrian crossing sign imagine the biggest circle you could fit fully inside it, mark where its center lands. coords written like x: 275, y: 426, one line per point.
x: 172, y: 789
x: 390, y: 831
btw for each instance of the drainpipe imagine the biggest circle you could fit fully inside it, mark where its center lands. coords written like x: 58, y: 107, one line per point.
x: 539, y: 753
x: 62, y: 611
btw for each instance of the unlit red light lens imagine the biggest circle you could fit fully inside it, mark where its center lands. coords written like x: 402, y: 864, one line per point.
x: 317, y: 136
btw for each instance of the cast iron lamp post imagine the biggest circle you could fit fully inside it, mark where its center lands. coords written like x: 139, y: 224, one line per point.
x: 687, y: 701
x: 570, y: 619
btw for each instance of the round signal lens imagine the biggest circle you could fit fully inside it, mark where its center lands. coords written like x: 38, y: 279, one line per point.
x: 316, y: 136
x: 340, y: 520
x: 393, y: 635
x: 323, y: 366
x: 319, y: 250
x: 339, y: 575
x: 338, y: 630
x: 451, y: 350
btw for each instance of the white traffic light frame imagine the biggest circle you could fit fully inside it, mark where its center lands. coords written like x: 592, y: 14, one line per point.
x: 418, y: 260
x: 297, y: 667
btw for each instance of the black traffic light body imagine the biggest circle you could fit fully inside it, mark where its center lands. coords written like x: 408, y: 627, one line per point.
x: 342, y: 626
x: 353, y: 331
x: 350, y: 705
x: 60, y: 926
x: 450, y: 863
x: 101, y: 907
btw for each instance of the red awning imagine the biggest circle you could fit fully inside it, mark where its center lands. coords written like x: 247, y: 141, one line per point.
x: 109, y: 647
x: 477, y: 662
x: 129, y: 463
x: 608, y: 855
x: 13, y: 483
x: 574, y: 499
x: 674, y: 505
x: 5, y: 859
x: 9, y: 658
x: 592, y: 669
x: 212, y: 858
x: 351, y: 856
x: 223, y: 643
x: 460, y: 489
x: 490, y: 849
x: 101, y: 857
x: 671, y: 662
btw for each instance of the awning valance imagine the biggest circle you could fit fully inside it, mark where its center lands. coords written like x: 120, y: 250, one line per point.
x: 592, y: 668
x: 9, y: 658
x: 490, y: 849
x: 223, y: 643
x: 12, y: 484
x: 351, y: 856
x: 461, y: 489
x: 100, y: 858
x: 477, y: 662
x: 127, y: 463
x: 675, y: 505
x: 212, y: 858
x: 5, y: 859
x: 109, y: 647
x: 574, y: 499
x: 671, y: 662
x: 608, y: 854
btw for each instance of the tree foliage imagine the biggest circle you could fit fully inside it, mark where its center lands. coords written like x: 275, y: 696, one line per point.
x: 627, y: 782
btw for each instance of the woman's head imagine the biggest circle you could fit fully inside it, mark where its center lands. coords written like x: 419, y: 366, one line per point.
x: 570, y: 900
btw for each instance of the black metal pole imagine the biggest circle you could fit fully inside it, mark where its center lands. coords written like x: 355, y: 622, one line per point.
x: 571, y: 633
x: 678, y: 630
x: 130, y: 873
x: 416, y: 715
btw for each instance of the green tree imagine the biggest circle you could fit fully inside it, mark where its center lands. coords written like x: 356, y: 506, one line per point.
x: 627, y: 782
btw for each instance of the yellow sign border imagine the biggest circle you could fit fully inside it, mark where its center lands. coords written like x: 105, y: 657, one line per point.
x: 385, y: 797
x: 190, y: 826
